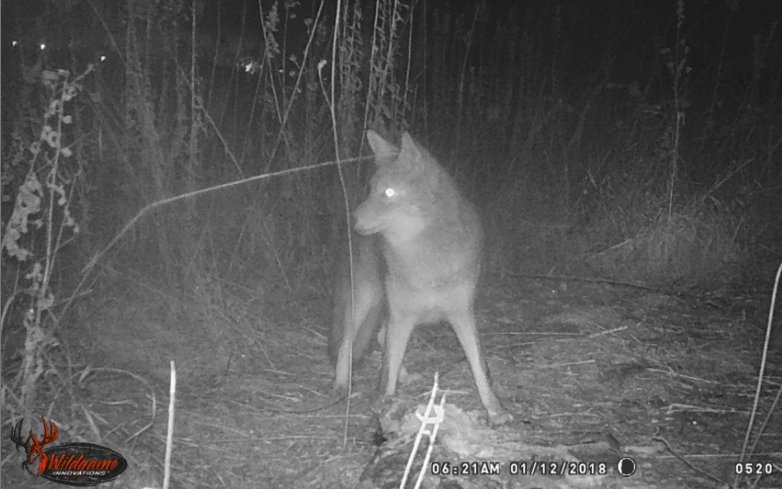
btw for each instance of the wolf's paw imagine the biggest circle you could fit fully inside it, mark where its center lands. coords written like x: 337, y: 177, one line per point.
x: 500, y: 418
x: 407, y: 378
x: 339, y: 387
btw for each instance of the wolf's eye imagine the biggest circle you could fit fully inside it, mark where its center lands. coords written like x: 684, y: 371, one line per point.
x: 389, y: 192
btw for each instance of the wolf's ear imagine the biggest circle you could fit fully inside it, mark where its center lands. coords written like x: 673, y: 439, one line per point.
x: 410, y: 151
x: 383, y: 149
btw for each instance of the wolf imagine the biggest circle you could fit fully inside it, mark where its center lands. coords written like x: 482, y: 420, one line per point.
x: 416, y: 261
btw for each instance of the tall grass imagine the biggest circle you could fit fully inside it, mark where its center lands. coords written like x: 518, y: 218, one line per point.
x: 590, y: 152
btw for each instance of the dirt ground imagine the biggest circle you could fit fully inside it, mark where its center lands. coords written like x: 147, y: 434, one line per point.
x: 593, y: 373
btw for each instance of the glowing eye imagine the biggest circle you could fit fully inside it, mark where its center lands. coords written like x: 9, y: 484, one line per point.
x: 14, y: 43
x: 102, y: 58
x: 42, y: 46
x: 389, y: 192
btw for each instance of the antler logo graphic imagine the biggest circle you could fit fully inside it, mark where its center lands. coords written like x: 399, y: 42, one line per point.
x: 33, y: 447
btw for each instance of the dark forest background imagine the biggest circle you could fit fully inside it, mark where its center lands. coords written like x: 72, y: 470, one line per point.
x: 619, y: 140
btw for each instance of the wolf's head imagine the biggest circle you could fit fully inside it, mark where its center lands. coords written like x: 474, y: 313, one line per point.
x: 403, y: 191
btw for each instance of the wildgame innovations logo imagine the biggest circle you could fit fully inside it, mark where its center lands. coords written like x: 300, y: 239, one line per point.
x: 72, y: 464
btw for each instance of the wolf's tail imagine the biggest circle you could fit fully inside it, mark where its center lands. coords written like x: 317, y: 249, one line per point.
x: 368, y: 298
